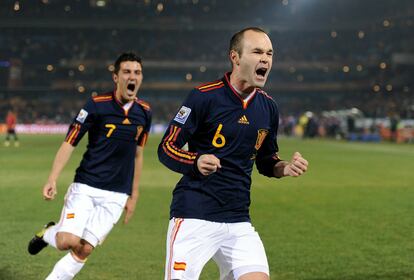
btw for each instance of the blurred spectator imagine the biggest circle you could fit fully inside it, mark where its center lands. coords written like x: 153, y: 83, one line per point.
x: 11, y: 120
x: 351, y: 54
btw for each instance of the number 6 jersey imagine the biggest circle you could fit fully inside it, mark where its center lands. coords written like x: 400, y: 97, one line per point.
x: 214, y: 119
x: 114, y: 131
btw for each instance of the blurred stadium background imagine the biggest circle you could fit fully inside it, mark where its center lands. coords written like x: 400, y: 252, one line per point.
x: 343, y: 77
x: 330, y: 58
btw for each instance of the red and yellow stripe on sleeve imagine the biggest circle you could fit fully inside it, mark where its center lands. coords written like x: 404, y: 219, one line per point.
x: 73, y: 133
x: 172, y: 151
x: 211, y: 86
x: 102, y: 98
x: 144, y: 104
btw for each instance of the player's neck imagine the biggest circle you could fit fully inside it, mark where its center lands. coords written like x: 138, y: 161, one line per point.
x: 240, y: 87
x: 121, y: 100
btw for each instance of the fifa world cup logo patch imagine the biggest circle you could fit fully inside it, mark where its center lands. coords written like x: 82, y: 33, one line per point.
x: 179, y: 265
x: 82, y: 116
x: 182, y: 115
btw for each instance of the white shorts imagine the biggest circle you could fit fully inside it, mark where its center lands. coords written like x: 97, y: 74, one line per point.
x: 235, y: 247
x: 91, y: 213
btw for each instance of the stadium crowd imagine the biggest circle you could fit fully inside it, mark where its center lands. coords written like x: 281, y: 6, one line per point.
x: 323, y: 62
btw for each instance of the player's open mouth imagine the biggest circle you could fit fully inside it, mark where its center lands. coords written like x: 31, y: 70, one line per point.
x: 261, y: 72
x: 131, y: 87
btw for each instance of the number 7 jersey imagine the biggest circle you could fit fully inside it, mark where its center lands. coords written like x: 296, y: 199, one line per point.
x: 114, y: 131
x: 214, y: 119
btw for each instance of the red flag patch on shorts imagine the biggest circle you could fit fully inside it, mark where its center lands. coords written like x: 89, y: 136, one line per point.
x: 179, y: 265
x: 70, y: 215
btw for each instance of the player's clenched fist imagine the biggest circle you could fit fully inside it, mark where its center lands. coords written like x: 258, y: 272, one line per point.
x: 297, y: 166
x: 208, y: 164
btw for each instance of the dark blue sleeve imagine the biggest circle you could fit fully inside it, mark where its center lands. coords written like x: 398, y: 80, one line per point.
x: 81, y: 123
x: 180, y: 130
x: 143, y: 137
x: 267, y: 155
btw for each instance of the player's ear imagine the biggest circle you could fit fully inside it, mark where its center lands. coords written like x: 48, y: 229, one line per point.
x: 115, y: 77
x: 234, y: 57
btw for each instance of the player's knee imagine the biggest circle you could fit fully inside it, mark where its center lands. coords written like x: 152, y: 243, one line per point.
x: 87, y: 250
x: 84, y: 250
x: 66, y: 241
x: 254, y: 276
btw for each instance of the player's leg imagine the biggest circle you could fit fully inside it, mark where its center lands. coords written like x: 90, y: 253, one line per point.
x: 7, y: 141
x: 190, y: 244
x: 66, y: 235
x: 77, y: 209
x: 242, y: 255
x: 108, y: 207
x: 66, y: 268
x: 16, y: 140
x: 37, y: 243
x: 254, y: 276
x: 70, y: 265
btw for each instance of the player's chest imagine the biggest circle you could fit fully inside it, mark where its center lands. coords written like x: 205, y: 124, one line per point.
x: 118, y: 125
x: 234, y: 123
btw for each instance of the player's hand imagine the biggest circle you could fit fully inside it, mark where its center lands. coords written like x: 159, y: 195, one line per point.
x: 297, y: 166
x: 208, y: 164
x: 50, y: 191
x: 129, y: 209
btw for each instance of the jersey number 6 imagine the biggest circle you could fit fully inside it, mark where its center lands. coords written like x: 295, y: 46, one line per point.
x: 220, y: 137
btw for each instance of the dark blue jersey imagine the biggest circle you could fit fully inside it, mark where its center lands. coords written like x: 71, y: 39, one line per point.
x: 113, y: 135
x: 215, y: 120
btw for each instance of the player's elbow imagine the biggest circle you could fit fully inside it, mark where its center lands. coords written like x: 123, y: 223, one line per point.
x: 172, y: 162
x: 161, y: 154
x: 265, y: 170
x: 266, y: 166
x: 165, y: 158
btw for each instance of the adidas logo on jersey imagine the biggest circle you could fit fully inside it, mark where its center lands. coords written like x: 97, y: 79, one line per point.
x: 243, y: 120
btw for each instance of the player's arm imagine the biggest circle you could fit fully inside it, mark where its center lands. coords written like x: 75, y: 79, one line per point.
x: 171, y: 153
x: 268, y: 162
x: 296, y: 167
x: 267, y: 157
x: 79, y: 126
x: 133, y: 198
x: 62, y: 157
x: 180, y: 130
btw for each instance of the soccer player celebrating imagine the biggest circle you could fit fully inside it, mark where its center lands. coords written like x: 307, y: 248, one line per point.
x: 106, y: 181
x: 228, y: 124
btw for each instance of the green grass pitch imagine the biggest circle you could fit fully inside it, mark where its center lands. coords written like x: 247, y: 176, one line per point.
x: 351, y: 216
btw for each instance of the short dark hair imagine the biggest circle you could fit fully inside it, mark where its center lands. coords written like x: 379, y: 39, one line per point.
x: 236, y: 40
x: 126, y: 56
